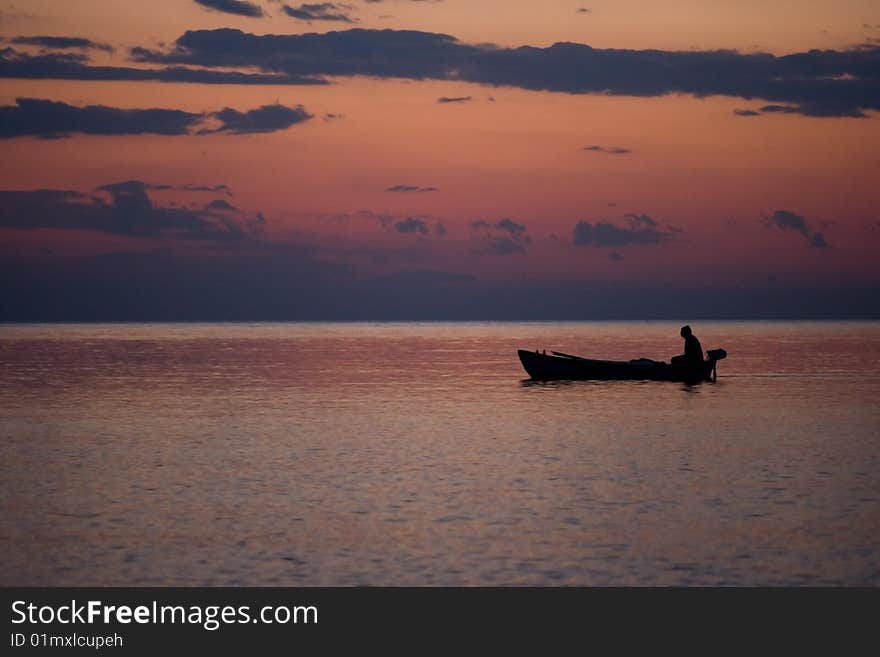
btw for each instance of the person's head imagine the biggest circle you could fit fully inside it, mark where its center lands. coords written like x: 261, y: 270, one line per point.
x: 686, y: 331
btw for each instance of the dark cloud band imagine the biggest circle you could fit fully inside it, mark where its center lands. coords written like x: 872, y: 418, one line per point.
x: 817, y: 83
x: 50, y: 119
x: 62, y: 43
x: 129, y: 211
x: 34, y: 117
x: 72, y: 66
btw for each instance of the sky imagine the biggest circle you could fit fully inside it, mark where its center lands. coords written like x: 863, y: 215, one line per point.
x: 439, y: 159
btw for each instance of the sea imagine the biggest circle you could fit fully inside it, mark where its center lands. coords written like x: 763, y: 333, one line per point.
x: 419, y: 454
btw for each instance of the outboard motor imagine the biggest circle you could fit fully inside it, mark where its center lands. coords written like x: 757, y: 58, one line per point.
x: 714, y: 356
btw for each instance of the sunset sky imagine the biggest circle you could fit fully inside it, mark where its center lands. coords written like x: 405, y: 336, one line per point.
x: 439, y: 159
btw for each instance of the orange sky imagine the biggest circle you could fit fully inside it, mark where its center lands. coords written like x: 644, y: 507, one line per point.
x: 781, y: 26
x: 514, y: 153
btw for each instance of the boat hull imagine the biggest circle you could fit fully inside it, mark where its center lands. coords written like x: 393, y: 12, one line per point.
x: 543, y: 367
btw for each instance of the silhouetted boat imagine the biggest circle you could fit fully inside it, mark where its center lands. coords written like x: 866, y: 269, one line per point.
x: 560, y: 366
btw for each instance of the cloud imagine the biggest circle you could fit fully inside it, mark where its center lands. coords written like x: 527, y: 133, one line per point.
x: 825, y: 109
x: 641, y: 229
x: 219, y: 204
x: 412, y: 225
x: 61, y: 43
x: 823, y: 82
x: 783, y: 109
x: 122, y: 208
x: 642, y: 220
x: 504, y: 237
x: 817, y: 241
x: 615, y: 256
x: 504, y: 225
x: 406, y: 225
x: 384, y: 220
x: 510, y: 226
x: 612, y: 150
x: 788, y: 221
x: 237, y: 7
x: 321, y: 11
x: 818, y: 110
x: 454, y: 99
x: 268, y: 118
x: 74, y: 66
x: 785, y: 220
x: 49, y: 119
x: 410, y: 188
x: 409, y: 225
x: 206, y: 188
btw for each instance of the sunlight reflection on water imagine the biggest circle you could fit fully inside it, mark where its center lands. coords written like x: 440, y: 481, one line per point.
x: 392, y: 454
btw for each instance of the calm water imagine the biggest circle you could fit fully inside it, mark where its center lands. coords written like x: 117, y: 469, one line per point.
x: 392, y: 454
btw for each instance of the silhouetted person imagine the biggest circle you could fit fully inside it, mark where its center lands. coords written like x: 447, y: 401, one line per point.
x: 693, y: 351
